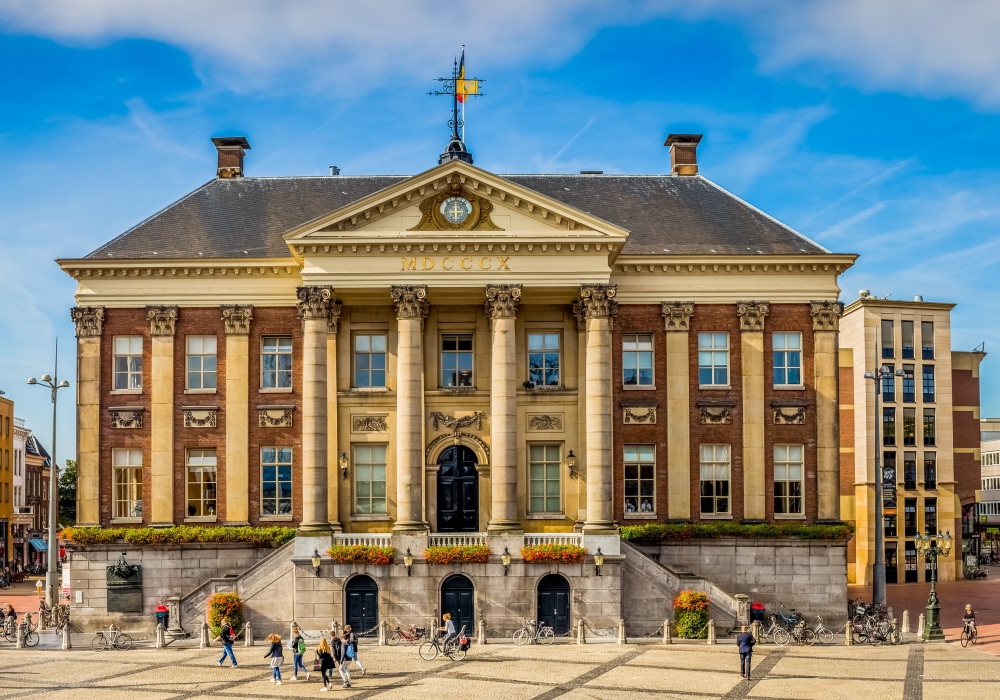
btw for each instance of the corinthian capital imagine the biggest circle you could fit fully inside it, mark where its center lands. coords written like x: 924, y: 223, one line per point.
x: 314, y: 302
x: 89, y: 321
x: 598, y: 301
x: 752, y: 314
x: 410, y: 300
x: 677, y: 315
x: 162, y: 320
x: 237, y: 318
x: 826, y: 314
x: 502, y: 300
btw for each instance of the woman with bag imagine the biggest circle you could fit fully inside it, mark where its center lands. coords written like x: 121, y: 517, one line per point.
x: 298, y: 646
x: 325, y: 662
x: 353, y: 640
x: 276, y: 656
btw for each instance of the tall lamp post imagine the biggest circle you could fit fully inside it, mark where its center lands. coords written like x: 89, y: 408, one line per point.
x: 933, y: 547
x: 883, y: 374
x: 51, y: 576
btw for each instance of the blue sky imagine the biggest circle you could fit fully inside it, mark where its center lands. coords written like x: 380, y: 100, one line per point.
x: 870, y: 127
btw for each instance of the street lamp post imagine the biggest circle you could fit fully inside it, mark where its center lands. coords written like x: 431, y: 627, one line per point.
x: 933, y: 547
x: 51, y: 576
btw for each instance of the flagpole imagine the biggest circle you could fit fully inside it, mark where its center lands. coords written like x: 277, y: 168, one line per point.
x: 464, y: 127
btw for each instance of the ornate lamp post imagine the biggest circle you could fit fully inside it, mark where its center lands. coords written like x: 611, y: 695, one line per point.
x: 933, y: 547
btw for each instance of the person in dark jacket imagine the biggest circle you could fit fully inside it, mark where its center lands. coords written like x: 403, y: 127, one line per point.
x: 276, y: 655
x: 745, y: 641
x: 295, y: 644
x: 226, y: 636
x: 326, y: 662
x: 343, y: 655
x: 353, y: 640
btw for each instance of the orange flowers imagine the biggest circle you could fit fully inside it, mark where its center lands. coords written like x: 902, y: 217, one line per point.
x: 559, y: 553
x: 467, y: 554
x: 362, y: 554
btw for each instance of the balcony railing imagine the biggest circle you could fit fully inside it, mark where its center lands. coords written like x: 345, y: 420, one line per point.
x: 376, y: 539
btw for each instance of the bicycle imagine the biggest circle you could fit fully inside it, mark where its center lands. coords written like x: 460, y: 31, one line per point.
x: 533, y: 633
x: 969, y: 633
x: 114, y: 638
x: 411, y: 636
x: 823, y: 634
x: 453, y: 649
x: 803, y: 635
x: 10, y: 630
x: 772, y: 631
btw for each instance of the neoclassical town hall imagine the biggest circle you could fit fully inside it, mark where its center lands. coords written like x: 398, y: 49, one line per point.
x: 457, y: 356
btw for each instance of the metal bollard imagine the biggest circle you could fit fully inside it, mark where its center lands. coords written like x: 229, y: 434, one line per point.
x: 41, y: 620
x: 667, y: 639
x: 481, y: 635
x: 67, y: 643
x: 382, y: 633
x: 248, y: 635
x: 906, y: 622
x: 205, y: 641
x: 161, y: 636
x: 757, y: 630
x: 920, y: 625
x: 581, y: 632
x: 848, y: 634
x: 21, y: 630
x: 622, y: 639
x: 711, y: 631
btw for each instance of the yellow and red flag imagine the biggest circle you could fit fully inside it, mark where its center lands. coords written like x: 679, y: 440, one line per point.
x: 463, y: 87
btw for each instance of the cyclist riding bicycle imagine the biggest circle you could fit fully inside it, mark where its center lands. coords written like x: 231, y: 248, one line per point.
x: 448, y: 629
x: 970, y: 619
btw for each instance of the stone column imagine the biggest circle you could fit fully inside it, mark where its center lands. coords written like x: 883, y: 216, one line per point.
x: 160, y: 494
x: 501, y: 307
x: 677, y: 321
x: 333, y: 450
x: 236, y: 320
x: 314, y: 310
x: 89, y: 322
x: 581, y: 419
x: 599, y: 306
x: 826, y: 322
x: 411, y: 310
x: 751, y: 315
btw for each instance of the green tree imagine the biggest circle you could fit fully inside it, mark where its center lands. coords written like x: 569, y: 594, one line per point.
x: 67, y: 494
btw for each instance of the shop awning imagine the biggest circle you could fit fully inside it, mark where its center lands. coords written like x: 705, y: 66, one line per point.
x: 39, y: 545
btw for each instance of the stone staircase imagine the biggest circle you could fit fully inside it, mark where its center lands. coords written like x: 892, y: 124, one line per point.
x: 649, y: 588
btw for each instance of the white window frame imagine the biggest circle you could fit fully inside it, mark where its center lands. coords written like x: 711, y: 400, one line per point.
x: 715, y: 464
x: 545, y: 351
x: 277, y: 462
x: 195, y: 347
x: 371, y: 354
x: 277, y: 352
x: 132, y: 350
x: 713, y: 351
x: 643, y: 457
x: 201, y: 461
x: 551, y: 459
x: 456, y: 352
x: 784, y: 351
x: 789, y: 461
x: 367, y: 461
x: 637, y: 352
x: 126, y: 468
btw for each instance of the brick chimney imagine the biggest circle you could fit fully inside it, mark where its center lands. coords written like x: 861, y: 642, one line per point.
x: 683, y: 153
x: 231, y: 152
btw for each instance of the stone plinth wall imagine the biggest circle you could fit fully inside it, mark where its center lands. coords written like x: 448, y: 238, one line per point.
x: 810, y: 577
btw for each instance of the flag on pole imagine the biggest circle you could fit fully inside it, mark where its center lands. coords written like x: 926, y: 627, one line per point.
x: 463, y: 87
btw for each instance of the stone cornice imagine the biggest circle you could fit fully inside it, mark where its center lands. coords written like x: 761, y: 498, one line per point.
x: 237, y: 318
x: 410, y: 301
x: 89, y: 321
x: 677, y: 315
x: 258, y: 267
x: 826, y: 315
x: 314, y: 302
x: 502, y: 300
x: 752, y: 315
x: 598, y: 300
x: 162, y: 320
x: 743, y: 264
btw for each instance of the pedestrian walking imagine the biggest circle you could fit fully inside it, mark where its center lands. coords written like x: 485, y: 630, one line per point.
x: 298, y: 646
x: 353, y: 640
x: 276, y: 656
x: 326, y: 662
x: 745, y: 641
x: 226, y: 636
x: 344, y: 654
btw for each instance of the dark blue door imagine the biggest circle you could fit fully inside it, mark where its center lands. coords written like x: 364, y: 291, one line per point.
x: 362, y: 605
x: 458, y: 491
x: 457, y: 598
x: 553, y: 603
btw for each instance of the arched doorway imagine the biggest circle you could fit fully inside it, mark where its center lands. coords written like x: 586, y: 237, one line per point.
x: 458, y: 598
x: 553, y: 603
x: 458, y: 490
x: 362, y: 604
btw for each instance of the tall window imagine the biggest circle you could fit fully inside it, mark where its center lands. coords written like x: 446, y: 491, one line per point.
x: 930, y: 432
x: 369, y: 360
x: 787, y: 354
x: 788, y: 479
x: 714, y: 469
x: 276, y: 480
x: 910, y: 471
x: 276, y: 363
x: 637, y: 359
x: 126, y: 465
x: 928, y: 382
x: 640, y: 478
x: 930, y: 516
x: 909, y: 391
x: 906, y: 331
x: 889, y: 479
x: 201, y: 362
x: 543, y: 479
x: 910, y: 427
x: 888, y: 426
x: 369, y: 480
x: 713, y: 359
x: 128, y: 362
x: 889, y: 385
x: 910, y: 517
x: 927, y: 340
x: 543, y: 359
x: 887, y: 351
x: 930, y: 470
x: 890, y: 525
x: 456, y: 360
x: 201, y: 483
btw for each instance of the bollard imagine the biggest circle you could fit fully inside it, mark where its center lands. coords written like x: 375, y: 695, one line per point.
x: 920, y: 625
x: 581, y: 632
x: 381, y: 632
x: 711, y: 631
x: 161, y: 637
x: 67, y: 643
x: 757, y: 630
x: 20, y: 635
x: 848, y: 634
x: 41, y: 620
x: 248, y: 635
x: 621, y: 632
x: 906, y: 622
x: 481, y: 635
x: 889, y: 612
x: 666, y: 632
x: 205, y: 642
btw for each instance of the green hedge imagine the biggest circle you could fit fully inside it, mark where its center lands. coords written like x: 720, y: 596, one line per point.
x: 681, y: 532
x: 150, y: 536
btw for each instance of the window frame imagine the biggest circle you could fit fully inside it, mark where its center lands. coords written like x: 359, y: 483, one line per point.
x: 888, y: 351
x: 909, y: 378
x: 930, y: 434
x: 277, y: 463
x: 457, y: 352
x: 715, y: 463
x: 909, y: 436
x: 713, y: 351
x: 202, y: 372
x: 546, y: 462
x: 371, y: 464
x: 890, y: 531
x: 909, y: 469
x: 888, y: 426
x: 786, y: 367
x: 545, y: 352
x: 204, y: 486
x: 129, y: 372
x: 930, y: 468
x: 927, y: 381
x: 370, y: 353
x: 888, y: 387
x: 910, y: 514
x: 640, y: 480
x: 930, y: 524
x: 276, y: 389
x: 787, y: 497
x: 131, y: 485
x: 906, y: 351
x: 638, y: 353
x: 924, y: 345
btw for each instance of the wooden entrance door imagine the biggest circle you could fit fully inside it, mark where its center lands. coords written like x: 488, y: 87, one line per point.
x: 458, y: 490
x: 458, y: 598
x: 362, y: 605
x: 553, y: 603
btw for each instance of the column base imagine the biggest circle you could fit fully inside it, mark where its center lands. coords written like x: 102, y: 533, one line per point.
x: 410, y: 526
x: 504, y: 526
x: 335, y: 526
x: 600, y: 527
x: 313, y: 529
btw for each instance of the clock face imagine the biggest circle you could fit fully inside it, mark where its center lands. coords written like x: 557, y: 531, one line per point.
x: 456, y: 209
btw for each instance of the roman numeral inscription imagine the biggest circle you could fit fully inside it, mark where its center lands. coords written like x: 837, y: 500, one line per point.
x: 487, y: 263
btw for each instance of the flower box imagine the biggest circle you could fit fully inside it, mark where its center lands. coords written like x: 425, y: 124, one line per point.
x: 466, y: 554
x: 558, y: 553
x: 362, y: 554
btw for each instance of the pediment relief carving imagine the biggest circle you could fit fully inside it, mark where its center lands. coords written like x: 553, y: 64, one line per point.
x: 433, y: 217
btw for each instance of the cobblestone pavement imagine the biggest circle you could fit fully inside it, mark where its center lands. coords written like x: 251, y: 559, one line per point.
x: 569, y: 672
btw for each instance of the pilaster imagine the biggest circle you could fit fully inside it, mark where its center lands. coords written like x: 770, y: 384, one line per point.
x: 501, y: 307
x: 236, y: 321
x: 677, y: 322
x: 826, y: 322
x: 314, y: 310
x: 162, y: 323
x: 751, y: 315
x: 89, y: 322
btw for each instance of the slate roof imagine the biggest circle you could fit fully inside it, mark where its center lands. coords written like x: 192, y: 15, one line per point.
x: 245, y: 217
x: 33, y: 447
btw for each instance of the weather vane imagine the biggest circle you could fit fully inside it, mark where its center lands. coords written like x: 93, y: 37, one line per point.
x: 460, y: 88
